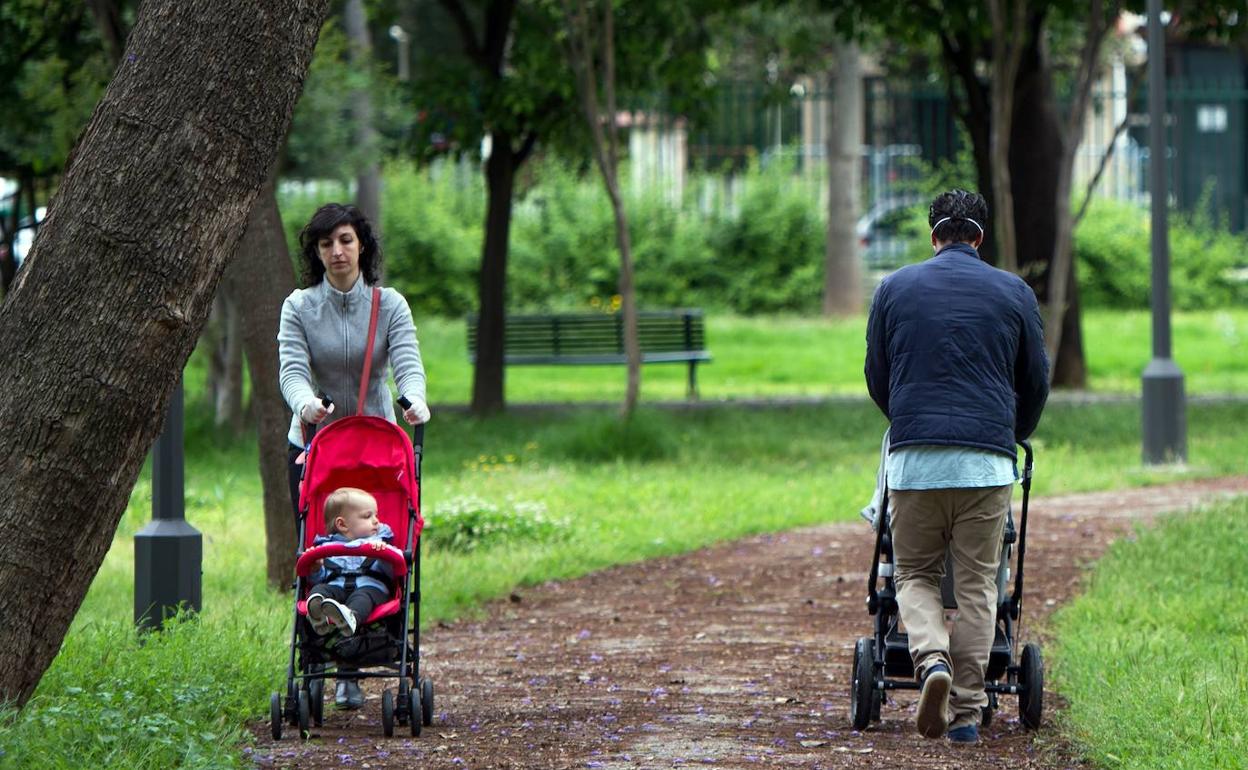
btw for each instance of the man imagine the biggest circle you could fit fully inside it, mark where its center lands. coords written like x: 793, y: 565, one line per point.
x: 956, y: 361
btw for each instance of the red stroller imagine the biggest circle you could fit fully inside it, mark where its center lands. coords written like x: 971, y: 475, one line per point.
x: 375, y: 455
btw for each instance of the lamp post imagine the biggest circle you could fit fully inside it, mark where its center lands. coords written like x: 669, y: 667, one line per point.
x: 168, y: 552
x: 1164, y: 412
x: 400, y: 36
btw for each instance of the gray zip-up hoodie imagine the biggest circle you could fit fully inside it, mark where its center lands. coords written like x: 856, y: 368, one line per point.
x: 320, y: 345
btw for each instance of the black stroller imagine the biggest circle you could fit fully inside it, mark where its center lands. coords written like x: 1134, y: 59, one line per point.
x: 375, y: 455
x: 882, y: 662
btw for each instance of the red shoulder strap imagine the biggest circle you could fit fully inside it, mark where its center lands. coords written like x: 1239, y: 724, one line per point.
x: 368, y: 349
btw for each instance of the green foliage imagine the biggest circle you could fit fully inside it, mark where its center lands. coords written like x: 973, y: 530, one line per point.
x: 469, y: 523
x: 766, y: 256
x: 323, y: 142
x: 431, y: 236
x: 1113, y: 259
x: 115, y: 698
x: 772, y: 251
x: 1152, y: 660
x: 53, y: 70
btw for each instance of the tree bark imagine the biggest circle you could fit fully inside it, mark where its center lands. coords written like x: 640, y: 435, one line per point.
x: 1036, y: 141
x: 1008, y: 18
x: 842, y: 267
x: 368, y: 180
x: 488, y: 374
x: 261, y: 277
x: 225, y: 365
x: 101, y: 321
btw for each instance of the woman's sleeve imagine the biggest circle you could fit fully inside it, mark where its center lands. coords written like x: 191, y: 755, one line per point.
x: 294, y: 360
x: 409, y: 372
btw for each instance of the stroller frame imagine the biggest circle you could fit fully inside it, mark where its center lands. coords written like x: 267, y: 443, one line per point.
x: 306, y: 672
x: 882, y: 661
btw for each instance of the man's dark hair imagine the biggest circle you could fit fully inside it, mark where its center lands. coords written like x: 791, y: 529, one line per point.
x: 323, y: 223
x: 959, y: 209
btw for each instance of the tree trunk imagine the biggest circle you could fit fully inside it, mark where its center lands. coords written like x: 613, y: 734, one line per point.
x: 842, y: 278
x: 1035, y: 142
x: 261, y: 277
x: 487, y: 375
x: 368, y: 180
x: 225, y: 364
x: 102, y: 319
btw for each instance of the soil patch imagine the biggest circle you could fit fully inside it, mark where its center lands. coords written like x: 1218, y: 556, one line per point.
x: 735, y: 656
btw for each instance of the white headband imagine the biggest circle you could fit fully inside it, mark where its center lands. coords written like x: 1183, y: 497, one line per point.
x: 968, y: 219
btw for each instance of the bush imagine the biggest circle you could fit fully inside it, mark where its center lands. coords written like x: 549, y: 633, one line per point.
x: 771, y: 252
x: 1113, y: 257
x: 468, y: 523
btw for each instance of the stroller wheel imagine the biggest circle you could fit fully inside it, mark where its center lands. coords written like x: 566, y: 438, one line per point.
x: 316, y: 692
x: 1031, y: 674
x: 414, y: 711
x: 862, y: 691
x: 387, y: 713
x: 426, y: 700
x: 275, y: 716
x: 304, y: 713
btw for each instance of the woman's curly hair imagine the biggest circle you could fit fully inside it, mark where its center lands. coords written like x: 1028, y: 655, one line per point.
x: 323, y: 223
x: 959, y: 209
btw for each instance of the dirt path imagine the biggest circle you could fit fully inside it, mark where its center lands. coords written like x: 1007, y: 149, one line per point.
x: 735, y: 656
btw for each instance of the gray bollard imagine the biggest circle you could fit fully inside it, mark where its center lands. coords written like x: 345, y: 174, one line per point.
x: 168, y: 552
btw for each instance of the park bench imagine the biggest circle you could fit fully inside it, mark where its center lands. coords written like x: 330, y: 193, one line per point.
x: 577, y: 339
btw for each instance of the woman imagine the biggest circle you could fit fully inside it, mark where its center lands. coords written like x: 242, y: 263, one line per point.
x: 321, y: 342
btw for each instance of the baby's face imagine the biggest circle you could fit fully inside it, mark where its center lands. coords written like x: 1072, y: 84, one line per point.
x: 360, y: 522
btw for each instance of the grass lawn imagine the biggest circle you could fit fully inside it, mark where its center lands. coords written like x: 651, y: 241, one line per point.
x: 1154, y: 658
x: 768, y: 357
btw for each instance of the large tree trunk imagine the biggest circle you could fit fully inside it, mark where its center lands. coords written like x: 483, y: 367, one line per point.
x: 1036, y: 145
x: 101, y: 321
x: 487, y: 375
x: 368, y: 180
x: 842, y: 264
x: 261, y: 277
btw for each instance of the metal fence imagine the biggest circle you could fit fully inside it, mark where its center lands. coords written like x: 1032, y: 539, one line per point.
x: 909, y: 132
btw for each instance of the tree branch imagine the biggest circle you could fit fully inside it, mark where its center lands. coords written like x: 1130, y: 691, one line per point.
x: 467, y: 35
x: 1100, y: 170
x: 497, y: 28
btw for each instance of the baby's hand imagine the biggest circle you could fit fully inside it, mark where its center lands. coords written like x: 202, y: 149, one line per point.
x: 316, y: 566
x: 377, y: 545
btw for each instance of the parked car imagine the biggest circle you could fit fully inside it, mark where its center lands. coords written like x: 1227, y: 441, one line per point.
x: 886, y: 232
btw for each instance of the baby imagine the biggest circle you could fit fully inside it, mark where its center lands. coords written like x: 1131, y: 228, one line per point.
x: 346, y: 589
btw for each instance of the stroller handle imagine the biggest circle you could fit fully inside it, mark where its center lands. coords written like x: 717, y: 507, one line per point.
x: 418, y: 440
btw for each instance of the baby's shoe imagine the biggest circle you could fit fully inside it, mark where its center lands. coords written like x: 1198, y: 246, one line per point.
x: 316, y: 615
x: 340, y: 616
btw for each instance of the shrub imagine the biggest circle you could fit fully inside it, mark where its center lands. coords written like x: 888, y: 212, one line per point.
x: 469, y: 523
x: 1113, y: 257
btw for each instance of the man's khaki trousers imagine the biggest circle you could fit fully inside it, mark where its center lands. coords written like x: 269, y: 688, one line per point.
x: 969, y: 522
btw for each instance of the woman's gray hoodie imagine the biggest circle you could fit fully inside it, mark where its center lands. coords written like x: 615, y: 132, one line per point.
x: 320, y: 345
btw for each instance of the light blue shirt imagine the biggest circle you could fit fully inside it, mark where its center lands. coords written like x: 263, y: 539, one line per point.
x: 948, y: 467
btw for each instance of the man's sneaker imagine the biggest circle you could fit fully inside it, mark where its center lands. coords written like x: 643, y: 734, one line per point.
x: 316, y: 615
x: 340, y: 616
x: 931, y: 717
x: 348, y: 695
x: 966, y: 734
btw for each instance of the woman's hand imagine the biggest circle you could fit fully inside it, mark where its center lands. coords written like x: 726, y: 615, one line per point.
x: 314, y: 411
x: 417, y: 413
